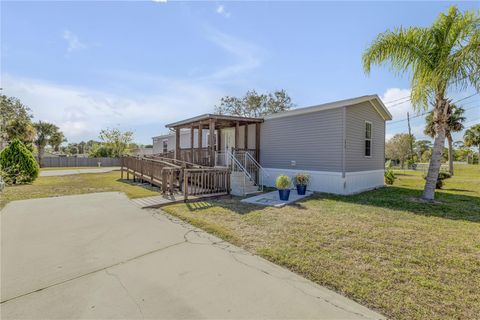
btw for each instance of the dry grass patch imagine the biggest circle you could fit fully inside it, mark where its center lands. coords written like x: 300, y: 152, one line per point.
x: 75, y: 184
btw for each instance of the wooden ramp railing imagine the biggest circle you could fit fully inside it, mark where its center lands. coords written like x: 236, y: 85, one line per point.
x: 163, y: 174
x: 174, y: 175
x: 206, y: 181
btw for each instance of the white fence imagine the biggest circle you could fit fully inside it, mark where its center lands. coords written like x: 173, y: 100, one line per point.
x: 49, y: 162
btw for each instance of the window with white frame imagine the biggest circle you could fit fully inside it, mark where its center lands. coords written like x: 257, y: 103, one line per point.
x: 368, y: 139
x: 165, y: 145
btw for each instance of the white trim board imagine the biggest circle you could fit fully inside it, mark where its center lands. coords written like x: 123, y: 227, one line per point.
x: 386, y: 115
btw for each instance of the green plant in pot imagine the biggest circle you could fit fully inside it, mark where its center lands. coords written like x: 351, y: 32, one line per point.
x: 283, y: 184
x: 301, y: 181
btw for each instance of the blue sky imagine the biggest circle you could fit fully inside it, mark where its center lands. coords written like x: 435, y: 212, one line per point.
x: 139, y: 65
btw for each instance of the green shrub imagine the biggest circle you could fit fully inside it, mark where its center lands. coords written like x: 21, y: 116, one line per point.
x: 302, y: 179
x: 441, y: 176
x: 283, y: 182
x: 388, y: 164
x: 17, y: 164
x: 389, y: 176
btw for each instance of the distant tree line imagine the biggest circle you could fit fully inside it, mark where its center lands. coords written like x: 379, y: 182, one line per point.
x: 398, y: 149
x: 38, y: 137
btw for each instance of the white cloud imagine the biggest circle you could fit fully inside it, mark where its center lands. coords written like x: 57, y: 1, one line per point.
x: 247, y: 55
x: 400, y: 106
x: 160, y: 1
x: 222, y: 11
x: 74, y: 43
x: 81, y: 112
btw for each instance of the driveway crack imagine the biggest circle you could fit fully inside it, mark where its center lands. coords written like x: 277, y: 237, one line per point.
x: 126, y: 291
x: 94, y: 271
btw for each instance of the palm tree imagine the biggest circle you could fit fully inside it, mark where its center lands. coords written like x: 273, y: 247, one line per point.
x: 454, y: 124
x: 443, y: 56
x: 45, y: 131
x: 56, y: 140
x: 472, y: 138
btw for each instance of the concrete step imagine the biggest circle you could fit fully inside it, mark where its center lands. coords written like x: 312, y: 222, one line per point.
x: 246, y: 181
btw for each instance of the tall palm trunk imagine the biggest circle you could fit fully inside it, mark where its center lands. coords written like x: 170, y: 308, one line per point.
x: 450, y: 153
x: 441, y: 107
x: 41, y: 151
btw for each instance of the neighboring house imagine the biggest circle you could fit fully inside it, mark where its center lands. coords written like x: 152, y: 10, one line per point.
x: 166, y: 143
x: 142, y: 151
x: 340, y: 144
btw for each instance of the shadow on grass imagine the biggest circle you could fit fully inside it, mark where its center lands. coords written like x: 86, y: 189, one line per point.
x: 230, y: 203
x: 448, y: 206
x: 138, y: 183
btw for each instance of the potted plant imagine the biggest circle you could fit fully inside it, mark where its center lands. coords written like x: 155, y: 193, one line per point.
x: 283, y: 184
x: 301, y: 181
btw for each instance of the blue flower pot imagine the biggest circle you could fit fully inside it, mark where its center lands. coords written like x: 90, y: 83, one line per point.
x: 301, y: 189
x: 284, y: 194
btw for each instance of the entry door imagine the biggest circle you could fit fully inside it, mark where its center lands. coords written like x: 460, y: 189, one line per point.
x: 228, y: 138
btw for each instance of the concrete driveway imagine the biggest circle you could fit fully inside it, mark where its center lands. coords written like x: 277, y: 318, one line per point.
x: 100, y: 256
x: 65, y: 172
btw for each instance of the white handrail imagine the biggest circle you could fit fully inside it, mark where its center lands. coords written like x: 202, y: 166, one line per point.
x: 232, y: 157
x: 257, y: 168
x: 257, y: 164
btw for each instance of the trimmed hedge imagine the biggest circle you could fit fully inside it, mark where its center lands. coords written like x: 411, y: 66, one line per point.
x: 17, y: 164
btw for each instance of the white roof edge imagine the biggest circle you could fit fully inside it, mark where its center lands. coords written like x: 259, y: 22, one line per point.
x: 162, y: 135
x: 182, y: 131
x: 332, y: 105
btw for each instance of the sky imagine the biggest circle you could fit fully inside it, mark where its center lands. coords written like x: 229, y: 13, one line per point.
x: 139, y: 65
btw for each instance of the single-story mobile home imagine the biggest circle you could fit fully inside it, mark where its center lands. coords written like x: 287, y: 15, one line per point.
x: 341, y: 144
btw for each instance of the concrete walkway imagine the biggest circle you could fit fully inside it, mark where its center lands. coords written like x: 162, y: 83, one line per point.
x: 100, y: 256
x: 61, y: 172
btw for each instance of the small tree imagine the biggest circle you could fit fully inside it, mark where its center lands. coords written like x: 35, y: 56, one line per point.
x: 472, y: 138
x: 56, y: 140
x: 15, y: 121
x: 45, y: 131
x: 255, y: 105
x: 116, y: 140
x: 17, y: 164
x: 420, y: 146
x: 398, y: 147
x: 100, y: 150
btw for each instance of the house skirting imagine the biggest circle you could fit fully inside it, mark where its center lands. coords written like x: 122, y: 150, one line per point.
x: 332, y: 182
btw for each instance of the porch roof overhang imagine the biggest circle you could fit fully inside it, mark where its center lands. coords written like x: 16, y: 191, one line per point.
x: 221, y: 121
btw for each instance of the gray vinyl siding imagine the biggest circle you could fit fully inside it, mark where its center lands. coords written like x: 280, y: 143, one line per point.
x: 355, y: 159
x: 312, y: 140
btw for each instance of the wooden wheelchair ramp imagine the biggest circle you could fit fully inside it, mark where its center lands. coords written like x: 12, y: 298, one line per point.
x: 178, y: 181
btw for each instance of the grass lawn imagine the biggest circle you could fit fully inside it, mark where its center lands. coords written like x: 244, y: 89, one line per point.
x: 74, y: 184
x: 406, y: 259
